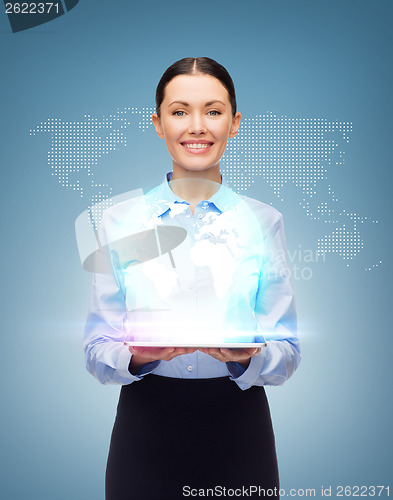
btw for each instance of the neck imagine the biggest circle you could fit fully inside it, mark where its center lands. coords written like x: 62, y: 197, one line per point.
x: 194, y: 186
x: 212, y: 174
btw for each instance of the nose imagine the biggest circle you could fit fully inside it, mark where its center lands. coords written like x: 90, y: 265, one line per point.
x: 197, y: 124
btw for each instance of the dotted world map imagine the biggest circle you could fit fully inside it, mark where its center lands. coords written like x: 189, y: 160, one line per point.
x: 279, y: 149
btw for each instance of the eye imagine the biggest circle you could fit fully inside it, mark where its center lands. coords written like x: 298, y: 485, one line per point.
x: 176, y: 113
x: 216, y: 113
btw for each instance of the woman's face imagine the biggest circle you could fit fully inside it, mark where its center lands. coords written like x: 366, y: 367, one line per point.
x: 196, y: 122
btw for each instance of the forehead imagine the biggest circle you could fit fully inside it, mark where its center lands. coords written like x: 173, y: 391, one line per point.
x: 195, y: 88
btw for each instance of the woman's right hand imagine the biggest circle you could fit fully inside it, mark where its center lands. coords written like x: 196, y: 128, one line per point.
x: 143, y: 355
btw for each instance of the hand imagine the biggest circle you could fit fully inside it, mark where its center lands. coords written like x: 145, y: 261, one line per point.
x: 242, y: 356
x: 143, y: 355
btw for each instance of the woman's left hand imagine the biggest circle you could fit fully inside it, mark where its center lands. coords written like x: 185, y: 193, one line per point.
x: 241, y: 356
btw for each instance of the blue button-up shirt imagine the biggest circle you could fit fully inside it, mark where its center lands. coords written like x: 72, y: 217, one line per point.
x: 227, y: 280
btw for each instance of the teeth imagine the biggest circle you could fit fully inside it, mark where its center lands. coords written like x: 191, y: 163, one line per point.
x: 197, y: 146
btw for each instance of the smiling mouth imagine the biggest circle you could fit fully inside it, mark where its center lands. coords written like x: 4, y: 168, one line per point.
x: 197, y: 145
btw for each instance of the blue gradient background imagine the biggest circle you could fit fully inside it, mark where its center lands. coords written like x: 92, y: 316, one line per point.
x: 299, y: 58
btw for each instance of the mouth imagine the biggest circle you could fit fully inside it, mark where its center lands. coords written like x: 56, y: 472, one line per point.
x: 197, y: 147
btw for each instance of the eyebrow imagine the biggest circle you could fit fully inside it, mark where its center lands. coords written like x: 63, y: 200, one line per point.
x: 207, y: 104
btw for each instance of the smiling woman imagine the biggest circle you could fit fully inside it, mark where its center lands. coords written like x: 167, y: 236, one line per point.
x: 194, y: 417
x: 196, y: 130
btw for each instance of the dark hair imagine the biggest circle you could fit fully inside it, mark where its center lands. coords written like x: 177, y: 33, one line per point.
x: 195, y: 66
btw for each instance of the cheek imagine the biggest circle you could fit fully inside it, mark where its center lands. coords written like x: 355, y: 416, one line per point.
x: 176, y: 127
x: 221, y: 131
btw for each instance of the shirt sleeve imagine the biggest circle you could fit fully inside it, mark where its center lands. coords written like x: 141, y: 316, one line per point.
x: 106, y: 356
x: 275, y: 312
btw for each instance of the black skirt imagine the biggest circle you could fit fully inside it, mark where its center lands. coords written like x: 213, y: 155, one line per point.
x: 172, y: 436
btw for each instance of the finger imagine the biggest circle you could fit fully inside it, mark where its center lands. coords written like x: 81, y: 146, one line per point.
x: 137, y: 350
x: 168, y: 354
x: 226, y: 353
x: 169, y: 350
x: 214, y: 352
x: 236, y: 355
x: 179, y: 351
x: 219, y: 355
x: 153, y: 353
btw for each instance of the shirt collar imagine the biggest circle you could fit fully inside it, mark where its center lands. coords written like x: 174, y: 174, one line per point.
x: 224, y: 199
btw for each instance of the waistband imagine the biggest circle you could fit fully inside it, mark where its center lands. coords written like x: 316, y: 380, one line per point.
x: 188, y: 388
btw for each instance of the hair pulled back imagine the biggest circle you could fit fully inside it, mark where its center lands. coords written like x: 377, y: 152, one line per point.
x: 196, y: 66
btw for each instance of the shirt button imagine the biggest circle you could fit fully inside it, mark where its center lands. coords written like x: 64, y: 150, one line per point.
x: 189, y: 368
x: 200, y: 216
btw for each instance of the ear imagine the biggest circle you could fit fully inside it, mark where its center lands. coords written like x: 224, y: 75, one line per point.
x: 235, y: 125
x: 158, y: 126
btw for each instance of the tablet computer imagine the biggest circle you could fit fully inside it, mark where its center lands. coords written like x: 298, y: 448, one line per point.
x: 217, y: 345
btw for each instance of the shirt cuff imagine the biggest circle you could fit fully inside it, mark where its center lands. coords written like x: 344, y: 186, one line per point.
x: 249, y: 375
x: 235, y: 369
x: 148, y: 368
x: 123, y: 363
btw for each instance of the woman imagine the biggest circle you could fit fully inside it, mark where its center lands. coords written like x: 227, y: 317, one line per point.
x: 191, y: 418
